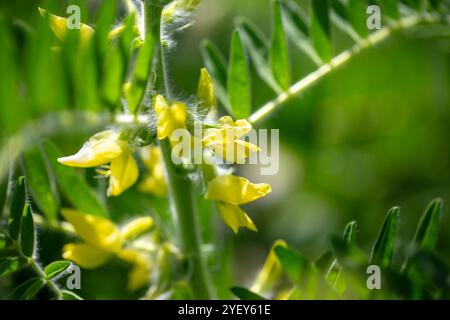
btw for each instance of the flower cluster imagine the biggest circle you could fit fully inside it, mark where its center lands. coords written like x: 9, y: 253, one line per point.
x: 103, y: 240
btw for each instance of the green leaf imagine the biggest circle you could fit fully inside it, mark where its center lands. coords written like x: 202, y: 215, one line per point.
x: 69, y: 295
x: 358, y: 17
x: 136, y: 90
x: 238, y: 79
x: 73, y: 186
x: 353, y: 265
x: 10, y: 117
x: 341, y: 19
x: 256, y: 45
x: 384, y: 246
x: 27, y: 233
x: 245, y: 294
x: 104, y: 24
x: 27, y: 290
x: 350, y: 231
x: 427, y: 231
x: 296, y: 25
x: 389, y: 8
x: 55, y: 268
x: 293, y: 264
x: 216, y: 64
x: 321, y: 30
x: 3, y: 192
x: 39, y: 183
x: 333, y: 273
x: 17, y: 208
x: 9, y: 265
x: 113, y: 74
x: 279, y: 55
x: 3, y: 241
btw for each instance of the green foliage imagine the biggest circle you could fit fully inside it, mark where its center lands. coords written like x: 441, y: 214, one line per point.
x: 55, y: 268
x: 39, y: 183
x: 345, y: 277
x: 384, y: 246
x: 238, y: 79
x: 279, y: 56
x: 17, y: 250
x: 111, y: 77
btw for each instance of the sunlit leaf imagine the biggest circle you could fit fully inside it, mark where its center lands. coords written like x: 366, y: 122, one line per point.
x: 358, y: 17
x: 279, y: 56
x: 296, y: 23
x: 256, y: 44
x: 321, y: 29
x: 55, y: 268
x: 238, y: 79
x: 136, y: 90
x: 39, y: 183
x: 384, y: 246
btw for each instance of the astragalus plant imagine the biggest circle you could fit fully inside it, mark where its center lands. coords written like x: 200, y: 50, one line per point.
x: 130, y: 198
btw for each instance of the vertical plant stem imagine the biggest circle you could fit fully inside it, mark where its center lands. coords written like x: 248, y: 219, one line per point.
x: 182, y: 195
x: 180, y: 186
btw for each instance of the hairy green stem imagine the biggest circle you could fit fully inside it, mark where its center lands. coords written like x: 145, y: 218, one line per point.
x: 180, y: 185
x: 183, y: 201
x: 311, y: 79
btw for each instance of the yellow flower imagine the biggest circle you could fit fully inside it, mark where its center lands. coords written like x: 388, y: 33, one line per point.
x: 106, y: 147
x: 155, y: 181
x: 206, y: 93
x: 231, y: 191
x: 103, y: 240
x: 59, y: 26
x: 170, y: 118
x: 225, y: 140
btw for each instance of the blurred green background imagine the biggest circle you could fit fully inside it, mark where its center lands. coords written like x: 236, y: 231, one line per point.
x: 372, y: 135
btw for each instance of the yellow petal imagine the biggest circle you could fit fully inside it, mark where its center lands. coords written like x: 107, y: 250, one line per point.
x: 153, y: 185
x: 59, y: 26
x: 235, y: 217
x: 136, y: 227
x: 236, y: 151
x: 124, y: 173
x: 160, y: 104
x: 206, y: 93
x: 100, y: 149
x: 235, y: 190
x: 271, y: 270
x: 84, y: 255
x: 170, y: 118
x: 139, y: 275
x: 236, y: 128
x: 96, y: 231
x: 155, y: 181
